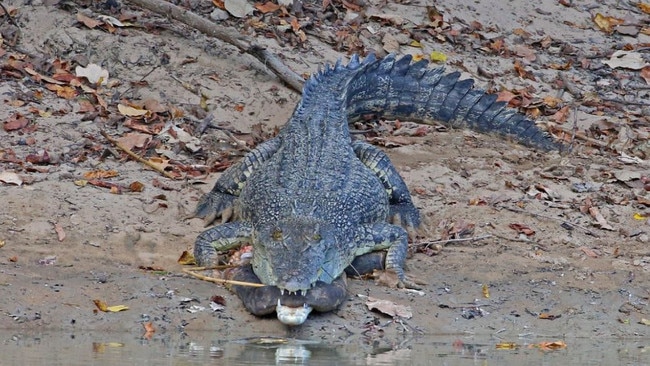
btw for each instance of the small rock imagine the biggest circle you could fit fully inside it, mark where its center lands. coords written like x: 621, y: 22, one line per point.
x: 218, y: 15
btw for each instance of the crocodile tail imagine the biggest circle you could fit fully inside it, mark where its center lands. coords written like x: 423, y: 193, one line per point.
x: 398, y: 89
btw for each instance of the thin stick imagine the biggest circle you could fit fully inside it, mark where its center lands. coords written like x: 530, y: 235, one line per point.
x: 135, y: 156
x: 192, y: 272
x: 587, y: 231
x: 458, y: 240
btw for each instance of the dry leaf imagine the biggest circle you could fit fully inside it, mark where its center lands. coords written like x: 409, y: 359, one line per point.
x: 112, y: 309
x: 507, y: 345
x: 131, y: 111
x: 626, y: 60
x: 521, y: 228
x: 238, y: 8
x: 10, y: 178
x: 589, y: 252
x: 645, y: 74
x: 186, y: 258
x: 59, y: 231
x: 606, y: 23
x: 88, y: 22
x: 389, y: 308
x: 40, y: 77
x: 134, y: 139
x: 267, y: 7
x: 600, y: 219
x: 15, y: 122
x: 136, y: 187
x: 97, y: 174
x: 94, y: 73
x: 549, y: 346
x: 486, y: 291
x: 644, y: 7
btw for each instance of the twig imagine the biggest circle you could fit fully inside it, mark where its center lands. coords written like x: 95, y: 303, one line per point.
x: 579, y: 135
x: 135, y: 156
x: 564, y: 222
x: 192, y: 272
x: 458, y: 240
x: 229, y: 36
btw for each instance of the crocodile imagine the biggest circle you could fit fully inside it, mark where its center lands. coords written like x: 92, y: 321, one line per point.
x: 312, y: 199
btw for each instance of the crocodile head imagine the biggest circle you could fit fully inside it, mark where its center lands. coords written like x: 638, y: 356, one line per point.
x: 291, y: 254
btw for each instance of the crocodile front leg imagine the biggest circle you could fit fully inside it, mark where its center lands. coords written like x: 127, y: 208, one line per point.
x: 382, y: 236
x: 220, y: 200
x: 220, y: 238
x: 402, y: 211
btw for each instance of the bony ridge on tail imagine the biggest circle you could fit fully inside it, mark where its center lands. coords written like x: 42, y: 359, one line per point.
x: 311, y: 199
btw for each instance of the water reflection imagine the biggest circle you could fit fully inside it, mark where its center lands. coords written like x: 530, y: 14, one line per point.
x: 201, y: 349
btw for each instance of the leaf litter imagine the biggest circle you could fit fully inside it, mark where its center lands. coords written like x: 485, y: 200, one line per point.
x: 285, y: 24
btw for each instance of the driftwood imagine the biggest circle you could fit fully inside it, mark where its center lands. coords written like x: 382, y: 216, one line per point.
x: 229, y: 36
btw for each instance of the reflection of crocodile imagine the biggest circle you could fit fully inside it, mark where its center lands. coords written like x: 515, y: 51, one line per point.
x: 311, y: 200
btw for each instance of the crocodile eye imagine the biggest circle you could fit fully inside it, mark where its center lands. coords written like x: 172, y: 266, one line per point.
x: 316, y: 237
x: 276, y: 234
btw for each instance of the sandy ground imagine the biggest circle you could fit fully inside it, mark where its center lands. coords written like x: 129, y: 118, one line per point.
x: 574, y: 277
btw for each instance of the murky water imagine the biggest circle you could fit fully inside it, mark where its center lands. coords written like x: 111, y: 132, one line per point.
x: 18, y: 348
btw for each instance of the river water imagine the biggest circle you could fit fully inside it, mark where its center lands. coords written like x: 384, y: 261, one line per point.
x: 54, y: 348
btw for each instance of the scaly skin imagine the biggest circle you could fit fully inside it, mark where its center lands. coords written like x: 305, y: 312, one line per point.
x: 311, y: 200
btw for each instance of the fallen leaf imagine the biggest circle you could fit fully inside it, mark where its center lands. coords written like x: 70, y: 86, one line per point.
x: 10, y: 178
x: 186, y: 258
x: 606, y: 23
x: 645, y: 74
x: 626, y: 60
x: 105, y: 308
x: 117, y: 308
x: 15, y: 122
x: 131, y: 111
x: 507, y: 345
x: 589, y: 252
x: 136, y: 187
x: 149, y: 330
x: 98, y: 174
x: 238, y: 8
x: 392, y: 18
x: 521, y: 228
x: 152, y: 268
x: 88, y: 22
x: 548, y: 316
x: 111, y: 21
x: 267, y: 7
x: 93, y: 73
x: 600, y: 219
x: 43, y: 158
x: 389, y: 308
x: 438, y: 57
x: 59, y: 231
x: 486, y: 291
x: 549, y: 346
x: 644, y: 7
x: 562, y: 115
x: 40, y: 77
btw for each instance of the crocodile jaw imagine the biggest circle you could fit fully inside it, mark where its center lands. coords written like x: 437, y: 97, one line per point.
x: 292, y: 316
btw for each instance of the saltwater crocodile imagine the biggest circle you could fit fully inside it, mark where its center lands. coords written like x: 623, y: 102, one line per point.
x: 312, y: 199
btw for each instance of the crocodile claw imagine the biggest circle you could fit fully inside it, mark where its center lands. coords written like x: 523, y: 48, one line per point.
x: 213, y: 205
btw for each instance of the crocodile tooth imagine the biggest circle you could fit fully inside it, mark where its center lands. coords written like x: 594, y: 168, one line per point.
x: 281, y: 294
